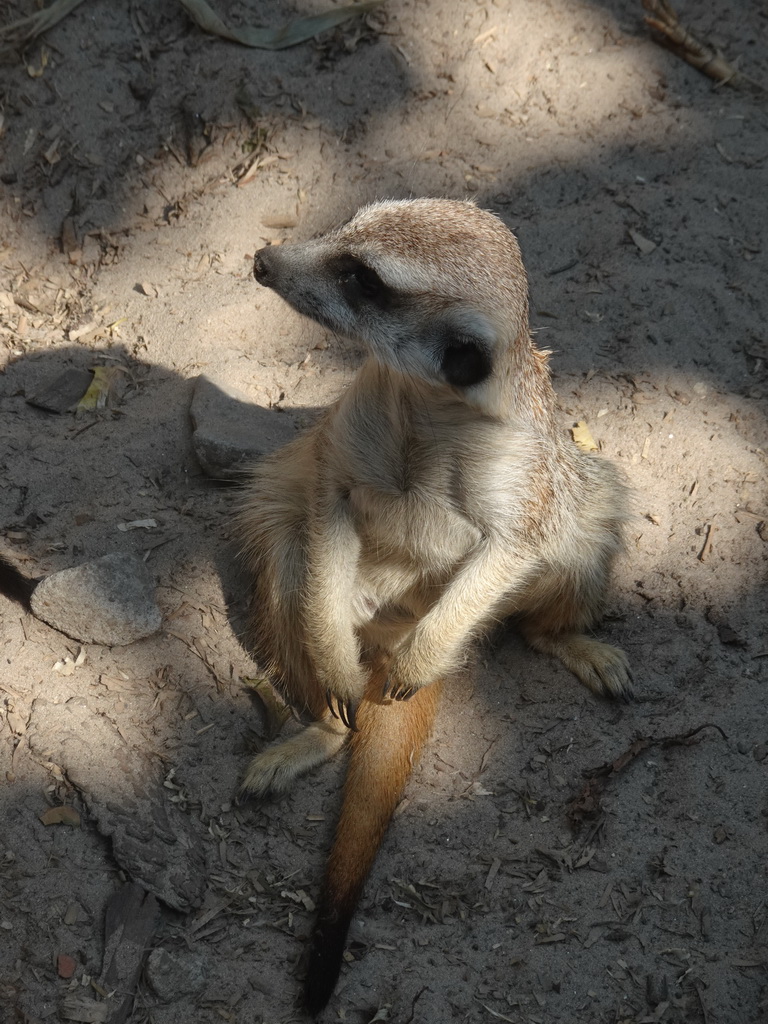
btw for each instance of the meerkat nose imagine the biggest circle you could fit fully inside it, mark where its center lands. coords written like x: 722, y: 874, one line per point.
x: 261, y: 266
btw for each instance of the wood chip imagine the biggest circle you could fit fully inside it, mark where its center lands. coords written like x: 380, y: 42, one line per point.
x: 492, y: 873
x: 706, y: 550
x: 645, y: 245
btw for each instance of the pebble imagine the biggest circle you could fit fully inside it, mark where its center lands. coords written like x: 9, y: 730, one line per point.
x: 65, y: 965
x: 107, y: 601
x: 172, y: 977
x: 229, y: 431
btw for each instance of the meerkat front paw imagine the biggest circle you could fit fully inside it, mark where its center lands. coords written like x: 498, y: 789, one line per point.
x: 416, y: 665
x: 396, y: 689
x: 406, y: 676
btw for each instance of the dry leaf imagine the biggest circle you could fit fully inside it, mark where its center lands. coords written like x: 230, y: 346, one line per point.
x: 138, y: 524
x: 78, y: 1007
x: 22, y: 31
x: 583, y: 438
x: 291, y: 34
x: 381, y: 1014
x: 63, y: 815
x: 97, y: 394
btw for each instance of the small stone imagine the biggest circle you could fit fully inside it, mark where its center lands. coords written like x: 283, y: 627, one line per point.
x: 645, y: 245
x: 65, y: 965
x: 108, y: 601
x: 173, y: 976
x: 229, y: 431
x: 73, y: 912
x: 719, y: 835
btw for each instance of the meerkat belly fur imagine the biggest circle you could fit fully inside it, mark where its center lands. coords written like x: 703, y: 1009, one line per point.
x: 437, y: 496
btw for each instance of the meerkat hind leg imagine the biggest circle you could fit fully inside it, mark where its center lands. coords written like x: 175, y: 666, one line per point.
x: 601, y: 667
x: 273, y: 772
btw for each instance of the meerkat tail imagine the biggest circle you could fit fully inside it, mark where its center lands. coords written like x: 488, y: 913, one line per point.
x: 384, y: 749
x: 14, y: 584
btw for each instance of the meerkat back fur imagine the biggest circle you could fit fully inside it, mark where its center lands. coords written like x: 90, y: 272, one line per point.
x: 436, y: 497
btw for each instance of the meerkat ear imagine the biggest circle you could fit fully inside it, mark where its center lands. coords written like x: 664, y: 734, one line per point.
x: 465, y: 361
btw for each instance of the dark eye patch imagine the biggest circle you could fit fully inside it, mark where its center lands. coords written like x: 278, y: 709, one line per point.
x: 368, y: 281
x: 465, y: 363
x: 361, y: 283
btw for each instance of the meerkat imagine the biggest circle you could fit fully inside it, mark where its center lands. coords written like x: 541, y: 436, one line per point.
x: 14, y: 584
x: 435, y: 498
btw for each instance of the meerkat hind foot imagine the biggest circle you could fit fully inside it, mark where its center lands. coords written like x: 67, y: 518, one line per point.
x: 273, y: 772
x: 601, y: 667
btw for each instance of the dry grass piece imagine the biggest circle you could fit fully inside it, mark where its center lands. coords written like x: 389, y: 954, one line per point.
x: 19, y: 33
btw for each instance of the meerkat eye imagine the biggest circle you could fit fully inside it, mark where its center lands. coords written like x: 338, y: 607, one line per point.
x: 465, y: 363
x: 363, y: 281
x: 369, y: 281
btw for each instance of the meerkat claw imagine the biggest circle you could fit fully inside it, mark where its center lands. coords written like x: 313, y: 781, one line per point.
x: 329, y: 701
x: 400, y: 692
x: 344, y: 710
x: 348, y: 713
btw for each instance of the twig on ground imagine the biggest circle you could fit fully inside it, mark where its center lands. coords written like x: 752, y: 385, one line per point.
x: 663, y: 18
x: 588, y: 802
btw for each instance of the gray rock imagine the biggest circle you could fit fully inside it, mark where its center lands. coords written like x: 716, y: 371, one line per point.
x: 229, y: 431
x: 173, y: 976
x: 63, y: 392
x: 108, y: 601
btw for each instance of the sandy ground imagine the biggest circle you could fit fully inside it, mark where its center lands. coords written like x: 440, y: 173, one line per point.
x: 142, y: 163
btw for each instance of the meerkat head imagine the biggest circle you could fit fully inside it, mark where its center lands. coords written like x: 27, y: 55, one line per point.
x: 434, y: 288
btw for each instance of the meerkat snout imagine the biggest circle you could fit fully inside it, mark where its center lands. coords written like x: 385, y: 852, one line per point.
x: 261, y: 265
